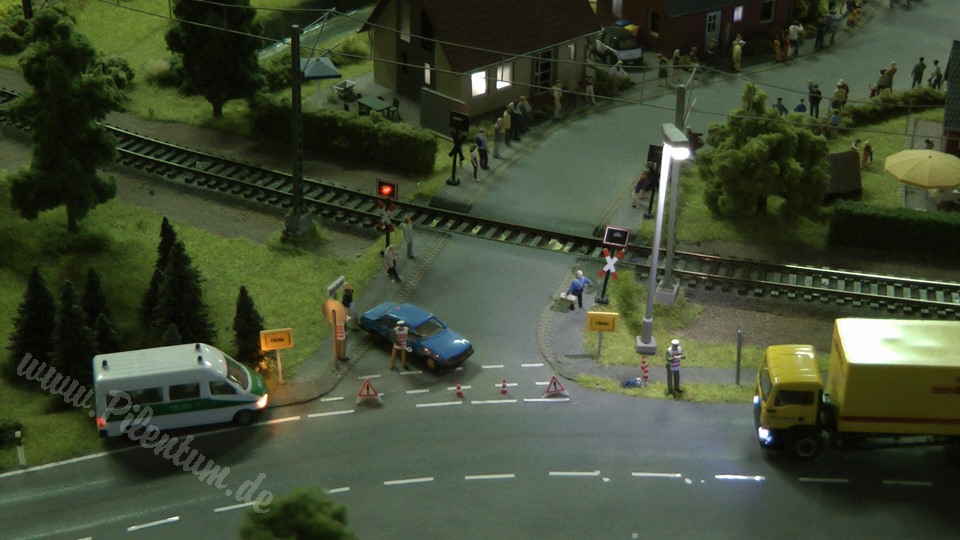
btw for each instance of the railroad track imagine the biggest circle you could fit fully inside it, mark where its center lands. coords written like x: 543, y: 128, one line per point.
x: 174, y: 164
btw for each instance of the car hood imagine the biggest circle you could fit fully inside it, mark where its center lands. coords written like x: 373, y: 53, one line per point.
x: 448, y: 344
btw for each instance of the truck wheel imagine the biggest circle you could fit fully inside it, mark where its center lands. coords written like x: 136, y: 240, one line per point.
x: 243, y: 418
x: 807, y: 445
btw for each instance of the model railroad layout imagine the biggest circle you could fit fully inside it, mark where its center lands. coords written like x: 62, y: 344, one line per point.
x: 327, y: 200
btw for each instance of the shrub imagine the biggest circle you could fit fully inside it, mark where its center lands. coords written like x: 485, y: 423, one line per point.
x: 163, y: 73
x: 897, y: 230
x: 12, y: 28
x: 117, y: 69
x: 8, y: 430
x: 276, y: 70
x: 353, y: 50
x: 890, y: 105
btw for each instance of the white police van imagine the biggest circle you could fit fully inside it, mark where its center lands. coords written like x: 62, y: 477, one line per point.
x: 173, y: 387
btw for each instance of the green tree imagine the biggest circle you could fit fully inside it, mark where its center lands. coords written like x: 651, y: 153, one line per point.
x: 70, y: 94
x: 247, y: 325
x: 219, y: 51
x: 94, y: 302
x: 168, y: 237
x: 181, y: 299
x: 33, y: 327
x: 757, y: 154
x: 171, y: 336
x: 74, y: 343
x: 303, y: 513
x: 105, y: 336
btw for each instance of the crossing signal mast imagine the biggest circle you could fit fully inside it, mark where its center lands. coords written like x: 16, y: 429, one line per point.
x: 387, y: 190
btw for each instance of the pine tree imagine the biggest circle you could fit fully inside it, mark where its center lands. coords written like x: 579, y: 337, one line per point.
x: 168, y: 237
x: 94, y: 302
x: 105, y: 336
x: 221, y: 65
x: 171, y: 336
x: 33, y: 327
x: 247, y: 325
x: 74, y: 343
x: 70, y: 95
x: 181, y: 299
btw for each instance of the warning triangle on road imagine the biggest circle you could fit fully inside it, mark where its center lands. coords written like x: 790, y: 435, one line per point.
x: 555, y: 389
x: 367, y: 391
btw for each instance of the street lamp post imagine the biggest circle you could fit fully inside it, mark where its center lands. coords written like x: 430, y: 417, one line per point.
x: 669, y: 287
x: 676, y: 148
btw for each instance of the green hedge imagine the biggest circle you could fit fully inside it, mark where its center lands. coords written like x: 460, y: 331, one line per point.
x: 351, y: 139
x: 891, y: 105
x: 900, y: 230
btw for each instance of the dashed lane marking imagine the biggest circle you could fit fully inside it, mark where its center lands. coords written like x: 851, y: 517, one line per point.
x: 277, y: 421
x: 418, y: 391
x: 326, y: 399
x: 492, y: 401
x: 234, y: 507
x: 757, y: 478
x: 331, y: 413
x: 337, y: 490
x: 466, y: 387
x: 412, y: 372
x: 532, y: 365
x: 501, y: 385
x: 440, y: 404
x: 492, y: 366
x: 153, y: 523
x: 546, y: 400
x: 408, y: 481
x: 507, y: 476
x: 655, y: 475
x: 574, y: 473
x: 824, y: 480
x: 374, y: 376
x: 919, y: 483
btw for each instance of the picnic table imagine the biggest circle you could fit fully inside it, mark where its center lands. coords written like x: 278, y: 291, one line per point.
x: 370, y: 103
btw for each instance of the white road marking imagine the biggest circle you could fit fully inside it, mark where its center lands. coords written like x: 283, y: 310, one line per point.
x: 907, y: 483
x: 489, y: 476
x: 500, y: 384
x: 492, y: 366
x: 574, y: 473
x: 656, y: 475
x: 532, y: 365
x: 408, y: 481
x: 542, y: 383
x: 492, y: 401
x: 440, y: 404
x: 405, y: 372
x: 65, y: 462
x: 374, y: 376
x: 331, y: 413
x: 276, y: 421
x: 418, y: 391
x: 757, y: 478
x: 234, y: 507
x: 824, y: 480
x: 467, y: 387
x: 153, y: 523
x: 337, y: 490
x: 324, y: 400
x: 546, y: 400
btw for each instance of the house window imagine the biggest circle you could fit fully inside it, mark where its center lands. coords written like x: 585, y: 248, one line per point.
x: 572, y: 51
x: 617, y: 8
x: 426, y: 33
x: 405, y: 21
x: 478, y: 82
x: 738, y: 14
x: 653, y: 23
x: 766, y: 10
x: 504, y: 76
x: 426, y: 74
x: 543, y: 71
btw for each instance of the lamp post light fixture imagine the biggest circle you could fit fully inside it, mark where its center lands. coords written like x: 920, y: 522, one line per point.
x: 676, y: 148
x: 668, y: 288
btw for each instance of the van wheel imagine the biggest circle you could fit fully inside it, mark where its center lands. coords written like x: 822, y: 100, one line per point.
x: 243, y: 418
x: 807, y: 445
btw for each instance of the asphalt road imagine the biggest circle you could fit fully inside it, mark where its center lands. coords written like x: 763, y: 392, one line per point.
x: 428, y: 465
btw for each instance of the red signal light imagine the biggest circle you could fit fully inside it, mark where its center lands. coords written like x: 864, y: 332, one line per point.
x: 387, y: 189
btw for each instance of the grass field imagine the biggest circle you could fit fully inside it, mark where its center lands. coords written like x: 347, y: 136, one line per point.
x: 120, y: 241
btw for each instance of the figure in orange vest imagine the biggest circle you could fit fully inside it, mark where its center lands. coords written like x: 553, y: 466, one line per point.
x: 400, y: 333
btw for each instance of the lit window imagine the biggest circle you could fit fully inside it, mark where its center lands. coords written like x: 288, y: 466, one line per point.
x: 426, y: 73
x: 478, y: 82
x: 504, y: 76
x: 738, y: 14
x: 653, y: 23
x: 405, y: 21
x: 572, y: 49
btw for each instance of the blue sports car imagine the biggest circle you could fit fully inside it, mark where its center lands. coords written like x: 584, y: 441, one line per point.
x: 428, y: 337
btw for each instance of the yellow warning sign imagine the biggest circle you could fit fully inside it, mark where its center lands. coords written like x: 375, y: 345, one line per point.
x: 602, y: 321
x: 274, y: 340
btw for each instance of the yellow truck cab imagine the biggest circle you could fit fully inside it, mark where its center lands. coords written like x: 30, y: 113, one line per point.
x: 887, y: 378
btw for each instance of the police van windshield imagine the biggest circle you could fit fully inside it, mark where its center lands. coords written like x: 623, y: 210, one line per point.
x: 236, y: 373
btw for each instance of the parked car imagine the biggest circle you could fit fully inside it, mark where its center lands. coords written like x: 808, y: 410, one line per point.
x: 615, y: 43
x: 428, y: 337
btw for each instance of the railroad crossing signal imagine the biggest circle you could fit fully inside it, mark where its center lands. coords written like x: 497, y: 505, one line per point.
x: 387, y: 189
x: 609, y: 268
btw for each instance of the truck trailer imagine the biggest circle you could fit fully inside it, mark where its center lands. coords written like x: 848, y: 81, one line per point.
x: 894, y: 379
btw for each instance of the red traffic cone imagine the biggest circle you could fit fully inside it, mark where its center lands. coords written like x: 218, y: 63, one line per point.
x: 503, y: 388
x: 459, y: 390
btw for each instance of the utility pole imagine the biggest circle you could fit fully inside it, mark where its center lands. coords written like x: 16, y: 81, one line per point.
x: 668, y: 288
x: 297, y: 222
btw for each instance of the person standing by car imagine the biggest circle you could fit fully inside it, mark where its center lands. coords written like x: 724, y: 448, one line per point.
x: 400, y: 333
x: 390, y: 263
